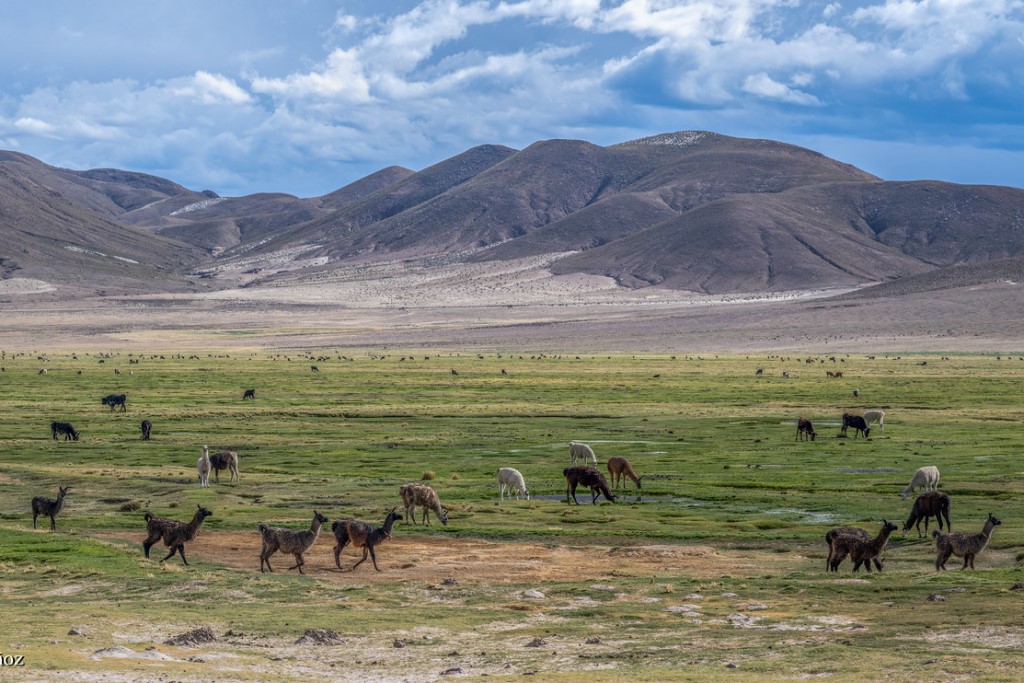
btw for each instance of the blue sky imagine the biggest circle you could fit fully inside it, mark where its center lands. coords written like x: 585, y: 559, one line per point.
x: 243, y: 96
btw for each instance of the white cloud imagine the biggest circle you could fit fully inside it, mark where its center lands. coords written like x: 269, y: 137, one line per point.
x: 35, y: 126
x: 217, y: 89
x: 762, y: 85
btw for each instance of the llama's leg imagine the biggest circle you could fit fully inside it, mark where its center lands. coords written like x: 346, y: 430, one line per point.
x: 265, y: 557
x: 878, y: 564
x: 298, y: 563
x: 365, y: 553
x: 34, y: 516
x: 940, y: 561
x: 373, y: 556
x: 968, y: 558
x: 337, y: 554
x: 181, y: 551
x: 169, y: 555
x: 53, y: 523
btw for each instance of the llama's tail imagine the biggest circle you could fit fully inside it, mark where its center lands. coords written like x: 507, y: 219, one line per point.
x: 264, y: 528
x: 148, y: 517
x: 936, y: 534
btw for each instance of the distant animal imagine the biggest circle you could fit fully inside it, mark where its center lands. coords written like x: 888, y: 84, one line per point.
x: 831, y: 534
x: 293, y: 541
x: 589, y: 477
x: 581, y: 451
x: 203, y: 467
x: 962, y: 544
x: 805, y: 430
x: 314, y: 368
x: 362, y: 535
x: 861, y: 552
x: 224, y: 460
x: 511, y: 479
x: 43, y: 371
x: 147, y: 429
x: 759, y: 372
x: 48, y: 507
x: 249, y: 393
x: 926, y: 478
x: 929, y: 504
x: 619, y: 468
x: 785, y: 375
x: 455, y: 372
x: 856, y: 393
x: 65, y: 429
x: 421, y: 495
x: 875, y: 416
x: 173, y: 533
x: 114, y: 400
x: 858, y: 424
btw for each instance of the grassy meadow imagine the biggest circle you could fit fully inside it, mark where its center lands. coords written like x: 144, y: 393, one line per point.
x: 722, y: 475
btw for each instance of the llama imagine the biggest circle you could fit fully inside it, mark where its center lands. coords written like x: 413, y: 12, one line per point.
x: 362, y: 535
x: 147, y: 429
x: 41, y: 505
x: 173, y: 533
x: 930, y: 504
x: 114, y: 400
x: 861, y: 552
x: 926, y: 478
x: 581, y: 451
x: 586, y: 476
x: 804, y: 430
x: 203, y: 467
x: 249, y: 393
x: 875, y: 416
x: 224, y: 460
x: 63, y: 428
x: 858, y: 424
x: 962, y: 544
x: 511, y: 479
x: 425, y: 497
x: 619, y: 468
x: 294, y: 541
x: 831, y: 534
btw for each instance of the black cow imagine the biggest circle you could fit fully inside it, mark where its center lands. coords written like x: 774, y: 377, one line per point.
x: 114, y: 400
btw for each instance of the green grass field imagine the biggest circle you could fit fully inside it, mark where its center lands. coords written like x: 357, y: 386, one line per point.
x: 721, y: 469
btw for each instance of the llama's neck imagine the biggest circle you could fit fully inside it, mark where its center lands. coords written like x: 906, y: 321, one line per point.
x: 882, y: 538
x: 388, y: 524
x: 314, y: 527
x: 986, y: 530
x: 59, y: 503
x: 197, y: 520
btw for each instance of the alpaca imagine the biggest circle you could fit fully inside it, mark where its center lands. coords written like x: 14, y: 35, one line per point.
x: 65, y: 428
x: 929, y: 504
x: 511, y: 479
x: 292, y: 541
x: 861, y: 552
x: 581, y: 451
x: 619, y: 468
x: 805, y: 429
x: 586, y: 476
x: 147, y: 429
x: 174, y: 534
x: 925, y: 477
x: 41, y: 505
x: 425, y: 497
x: 362, y: 535
x: 831, y: 535
x: 203, y: 467
x: 224, y: 460
x: 962, y: 544
x: 875, y: 416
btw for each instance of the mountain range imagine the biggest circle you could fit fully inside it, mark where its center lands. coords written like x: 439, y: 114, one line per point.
x: 692, y: 210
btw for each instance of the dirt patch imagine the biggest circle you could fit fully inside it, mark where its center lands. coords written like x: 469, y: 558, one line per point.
x: 434, y: 559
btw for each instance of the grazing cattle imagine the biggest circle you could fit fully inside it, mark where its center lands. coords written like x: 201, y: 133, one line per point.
x: 249, y: 393
x: 114, y: 400
x: 147, y: 429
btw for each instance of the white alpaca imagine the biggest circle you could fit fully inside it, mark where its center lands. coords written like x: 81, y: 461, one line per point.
x: 581, y: 451
x: 875, y: 416
x: 926, y: 478
x: 511, y: 479
x: 203, y: 466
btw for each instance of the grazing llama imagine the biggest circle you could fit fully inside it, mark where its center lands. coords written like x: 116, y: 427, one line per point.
x: 805, y: 429
x: 929, y: 504
x: 586, y: 476
x: 861, y: 552
x: 425, y: 497
x: 926, y: 478
x: 962, y: 544
x: 249, y: 393
x: 203, y: 467
x: 581, y: 451
x: 174, y: 534
x: 147, y: 429
x: 362, y: 535
x: 831, y: 535
x: 875, y: 416
x: 619, y: 468
x: 224, y: 460
x: 48, y: 507
x: 294, y: 541
x: 511, y: 479
x: 63, y: 428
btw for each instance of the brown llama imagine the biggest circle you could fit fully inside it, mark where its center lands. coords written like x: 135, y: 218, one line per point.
x: 294, y: 541
x: 619, y: 468
x: 173, y: 533
x: 362, y: 535
x: 48, y: 507
x: 861, y: 552
x: 804, y: 430
x: 147, y: 429
x: 425, y: 497
x: 962, y: 544
x: 224, y: 460
x: 831, y: 535
x: 589, y: 477
x: 929, y: 504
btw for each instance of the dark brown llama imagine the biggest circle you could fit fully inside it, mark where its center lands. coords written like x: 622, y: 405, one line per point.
x: 224, y: 460
x: 929, y: 504
x: 861, y: 552
x: 65, y: 429
x: 147, y: 429
x: 173, y: 533
x: 48, y: 507
x: 294, y: 541
x: 962, y: 544
x: 804, y: 430
x: 589, y: 477
x: 362, y: 535
x: 831, y: 535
